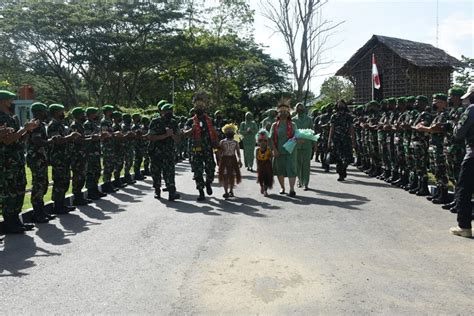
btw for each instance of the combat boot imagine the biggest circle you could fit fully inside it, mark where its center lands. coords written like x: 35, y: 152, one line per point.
x: 129, y: 180
x: 416, y: 188
x: 138, y: 176
x: 449, y: 205
x: 172, y: 194
x: 208, y: 188
x: 39, y: 216
x: 146, y: 171
x: 201, y: 196
x: 443, y: 197
x: 435, y: 194
x: 108, y: 188
x: 11, y: 225
x: 157, y: 193
x: 117, y: 183
x: 79, y: 200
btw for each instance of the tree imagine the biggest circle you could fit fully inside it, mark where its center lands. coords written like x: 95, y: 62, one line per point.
x: 465, y: 75
x: 305, y: 33
x: 335, y: 88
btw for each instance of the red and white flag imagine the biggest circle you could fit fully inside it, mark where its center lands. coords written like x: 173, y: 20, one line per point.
x: 375, y: 74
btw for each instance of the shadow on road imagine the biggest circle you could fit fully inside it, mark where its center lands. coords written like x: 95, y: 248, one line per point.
x: 341, y: 195
x: 307, y: 200
x: 371, y: 184
x: 16, y: 254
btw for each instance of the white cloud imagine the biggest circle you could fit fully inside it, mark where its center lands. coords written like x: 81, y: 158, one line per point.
x: 456, y: 34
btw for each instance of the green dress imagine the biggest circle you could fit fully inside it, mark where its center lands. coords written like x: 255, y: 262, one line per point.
x: 248, y: 141
x: 303, y: 151
x: 285, y: 164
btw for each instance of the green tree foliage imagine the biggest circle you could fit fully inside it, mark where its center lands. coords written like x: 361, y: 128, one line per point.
x: 465, y: 75
x: 335, y: 88
x: 134, y: 53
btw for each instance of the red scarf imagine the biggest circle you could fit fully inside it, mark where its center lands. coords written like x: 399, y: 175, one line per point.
x: 197, y: 129
x: 289, y: 131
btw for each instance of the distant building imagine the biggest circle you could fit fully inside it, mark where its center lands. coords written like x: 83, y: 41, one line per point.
x: 405, y: 68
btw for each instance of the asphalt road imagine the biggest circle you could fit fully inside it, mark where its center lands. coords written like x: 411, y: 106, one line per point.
x: 356, y: 247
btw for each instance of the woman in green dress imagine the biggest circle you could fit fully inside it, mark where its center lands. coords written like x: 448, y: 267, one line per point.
x: 248, y: 129
x: 284, y: 162
x: 304, y: 148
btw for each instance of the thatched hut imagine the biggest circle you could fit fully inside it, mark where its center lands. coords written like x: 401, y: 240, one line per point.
x: 405, y: 68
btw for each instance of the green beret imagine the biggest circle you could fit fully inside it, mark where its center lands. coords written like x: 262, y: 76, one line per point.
x: 38, y: 106
x: 384, y: 101
x: 401, y: 100
x: 56, y: 107
x: 7, y: 95
x: 422, y: 98
x: 161, y: 103
x: 440, y: 96
x: 191, y: 112
x: 126, y: 116
x: 374, y: 103
x: 410, y: 99
x: 145, y: 119
x: 117, y: 114
x: 456, y: 91
x: 166, y: 107
x: 392, y: 101
x: 217, y: 113
x: 78, y: 112
x: 134, y: 115
x: 91, y: 110
x: 108, y: 108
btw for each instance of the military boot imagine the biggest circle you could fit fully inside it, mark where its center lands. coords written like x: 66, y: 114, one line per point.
x: 449, y: 205
x: 129, y: 180
x: 443, y: 197
x: 117, y: 183
x: 60, y: 207
x: 79, y: 199
x: 146, y: 171
x: 12, y: 225
x: 157, y: 193
x: 39, y: 215
x: 416, y: 186
x: 172, y: 194
x: 138, y: 176
x: 201, y: 196
x: 423, y: 191
x: 108, y: 188
x: 435, y: 194
x: 208, y: 188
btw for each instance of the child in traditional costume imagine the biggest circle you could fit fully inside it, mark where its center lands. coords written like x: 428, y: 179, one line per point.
x: 230, y: 163
x: 263, y: 155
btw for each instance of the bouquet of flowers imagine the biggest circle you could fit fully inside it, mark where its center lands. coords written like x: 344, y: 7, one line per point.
x: 306, y: 134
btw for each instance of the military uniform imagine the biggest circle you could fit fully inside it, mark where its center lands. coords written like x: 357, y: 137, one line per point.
x: 93, y: 153
x: 128, y: 151
x: 324, y: 120
x: 78, y: 154
x: 138, y: 146
x: 108, y: 155
x: 118, y: 150
x: 146, y: 157
x: 342, y: 142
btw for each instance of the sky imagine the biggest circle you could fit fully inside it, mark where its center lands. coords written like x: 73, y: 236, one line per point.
x: 411, y: 20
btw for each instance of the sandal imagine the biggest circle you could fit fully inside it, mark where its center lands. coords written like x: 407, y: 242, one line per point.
x: 225, y: 195
x: 282, y: 191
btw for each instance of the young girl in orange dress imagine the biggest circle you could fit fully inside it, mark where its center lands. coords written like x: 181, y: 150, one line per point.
x: 263, y: 155
x: 229, y: 160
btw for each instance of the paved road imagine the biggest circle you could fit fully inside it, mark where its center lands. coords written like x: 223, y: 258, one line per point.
x: 356, y: 247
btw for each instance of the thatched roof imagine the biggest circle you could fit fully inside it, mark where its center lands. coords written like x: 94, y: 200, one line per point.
x: 416, y: 53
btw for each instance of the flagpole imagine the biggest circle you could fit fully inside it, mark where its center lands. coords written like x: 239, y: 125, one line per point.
x: 372, y: 74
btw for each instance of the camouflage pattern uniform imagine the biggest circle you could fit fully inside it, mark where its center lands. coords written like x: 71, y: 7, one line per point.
x: 436, y: 153
x: 342, y: 141
x: 139, y: 149
x: 419, y: 144
x: 78, y: 156
x: 108, y: 147
x: 119, y: 153
x: 93, y: 153
x: 128, y: 151
x: 146, y: 156
x: 454, y: 149
x: 323, y: 123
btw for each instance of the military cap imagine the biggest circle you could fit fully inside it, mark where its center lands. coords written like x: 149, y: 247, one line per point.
x: 217, y: 113
x: 166, y: 107
x: 422, y: 98
x: 410, y: 99
x: 392, y: 101
x: 373, y: 102
x: 456, y: 91
x: 440, y: 96
x: 117, y: 114
x: 161, y: 103
x: 191, y: 112
x: 145, y: 119
x: 108, y: 107
x: 401, y: 100
x: 7, y: 95
x: 56, y: 107
x: 384, y: 101
x: 77, y: 111
x: 134, y: 115
x: 91, y: 110
x: 38, y: 106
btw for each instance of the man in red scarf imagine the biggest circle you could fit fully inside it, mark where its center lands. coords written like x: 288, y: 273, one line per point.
x: 203, y: 139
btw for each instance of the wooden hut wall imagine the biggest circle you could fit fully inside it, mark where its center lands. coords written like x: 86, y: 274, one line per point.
x: 429, y: 80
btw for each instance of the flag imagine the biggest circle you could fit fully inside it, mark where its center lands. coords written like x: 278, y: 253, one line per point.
x: 375, y: 74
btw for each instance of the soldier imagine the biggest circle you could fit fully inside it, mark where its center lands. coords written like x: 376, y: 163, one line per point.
x: 465, y: 184
x: 219, y: 122
x: 203, y: 139
x: 372, y: 129
x: 324, y: 125
x: 419, y: 145
x: 12, y: 159
x: 37, y: 161
x: 390, y: 135
x: 436, y: 152
x: 139, y: 146
x: 341, y: 136
x: 163, y: 133
x: 59, y: 157
x: 358, y: 113
x: 304, y: 148
x: 248, y: 129
x: 398, y: 128
x: 119, y: 149
x: 108, y: 148
x: 146, y: 157
x: 383, y: 145
x: 270, y: 118
x: 128, y: 150
x: 454, y: 148
x: 93, y: 153
x: 78, y: 156
x: 411, y: 116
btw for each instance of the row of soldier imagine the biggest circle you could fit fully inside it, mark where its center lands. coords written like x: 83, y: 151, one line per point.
x: 401, y: 140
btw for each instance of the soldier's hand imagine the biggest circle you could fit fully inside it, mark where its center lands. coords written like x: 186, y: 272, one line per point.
x: 169, y: 132
x: 31, y: 125
x: 96, y: 137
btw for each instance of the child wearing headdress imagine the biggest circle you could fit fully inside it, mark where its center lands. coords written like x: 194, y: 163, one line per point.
x: 230, y: 163
x: 263, y: 155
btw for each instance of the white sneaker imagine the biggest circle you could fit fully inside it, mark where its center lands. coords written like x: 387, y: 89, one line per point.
x: 463, y: 232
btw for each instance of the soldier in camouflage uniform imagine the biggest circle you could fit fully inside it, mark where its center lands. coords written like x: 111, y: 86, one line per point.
x: 128, y: 150
x: 410, y: 118
x: 146, y: 157
x: 384, y: 146
x: 324, y: 125
x: 390, y: 136
x: 59, y: 158
x: 419, y: 144
x: 93, y: 153
x: 372, y: 129
x: 436, y: 152
x: 78, y: 154
x: 399, y: 126
x: 163, y: 134
x: 455, y: 149
x: 119, y: 149
x: 341, y: 138
x: 12, y: 159
x: 37, y: 161
x: 358, y: 113
x: 204, y: 139
x: 108, y: 148
x: 139, y: 146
